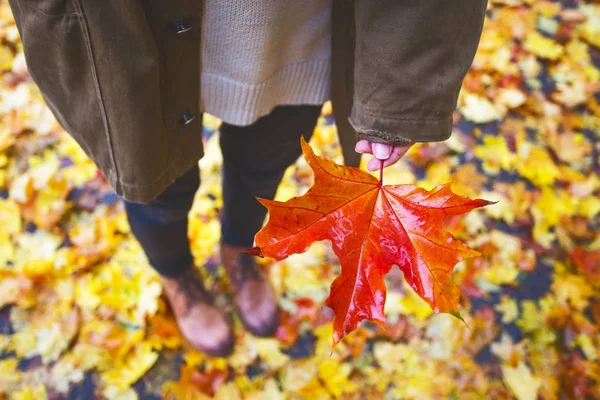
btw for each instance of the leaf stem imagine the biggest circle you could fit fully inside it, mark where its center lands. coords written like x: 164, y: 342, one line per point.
x: 381, y: 174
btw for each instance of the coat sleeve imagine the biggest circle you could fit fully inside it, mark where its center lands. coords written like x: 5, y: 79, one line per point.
x: 410, y: 59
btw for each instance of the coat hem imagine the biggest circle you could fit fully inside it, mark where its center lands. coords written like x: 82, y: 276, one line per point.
x: 146, y: 192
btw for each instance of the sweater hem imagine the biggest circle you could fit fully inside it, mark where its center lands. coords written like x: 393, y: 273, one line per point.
x: 242, y: 103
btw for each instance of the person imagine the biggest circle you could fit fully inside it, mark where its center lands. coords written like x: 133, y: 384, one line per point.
x: 129, y: 80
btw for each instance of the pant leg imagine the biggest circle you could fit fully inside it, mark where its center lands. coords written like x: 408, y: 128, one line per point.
x: 161, y: 226
x: 255, y: 158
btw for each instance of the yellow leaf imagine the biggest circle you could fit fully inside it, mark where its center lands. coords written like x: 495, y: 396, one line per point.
x: 204, y: 238
x: 537, y: 166
x: 116, y: 393
x: 586, y: 344
x: 507, y: 351
x: 36, y: 252
x: 50, y: 203
x: 502, y: 209
x: 547, y: 212
x: 21, y: 189
x: 130, y: 369
x: 437, y: 173
x: 37, y: 392
x: 412, y: 304
x: 589, y: 207
x: 572, y: 290
x: 9, y: 373
x: 10, y: 217
x: 501, y: 273
x: 495, y: 154
x: 24, y: 344
x: 270, y: 352
x: 7, y: 251
x: 521, y: 381
x: 270, y: 391
x: 413, y: 374
x: 542, y: 47
x: 530, y: 320
x: 335, y: 376
x: 228, y: 391
x: 478, y: 109
x: 51, y: 342
x: 92, y: 357
x: 147, y: 303
x: 591, y: 28
x: 315, y: 390
x: 510, y: 98
x: 299, y: 374
x: 509, y: 309
x: 87, y: 292
x: 6, y: 58
x: 442, y: 330
x: 571, y: 94
x: 66, y: 372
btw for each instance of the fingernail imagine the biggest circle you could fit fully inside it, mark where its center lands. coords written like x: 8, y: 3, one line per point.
x: 381, y: 151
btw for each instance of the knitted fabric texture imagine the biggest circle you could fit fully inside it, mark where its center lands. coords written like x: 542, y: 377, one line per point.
x: 257, y: 55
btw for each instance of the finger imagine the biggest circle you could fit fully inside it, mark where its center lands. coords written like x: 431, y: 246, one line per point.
x: 381, y: 150
x: 399, y: 151
x: 363, y: 146
x: 397, y: 154
x: 374, y: 164
x: 392, y: 160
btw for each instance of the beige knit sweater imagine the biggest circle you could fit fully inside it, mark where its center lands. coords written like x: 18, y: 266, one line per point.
x: 257, y: 55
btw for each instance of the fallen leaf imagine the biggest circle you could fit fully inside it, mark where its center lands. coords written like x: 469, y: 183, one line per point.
x: 193, y: 384
x: 537, y: 166
x: 34, y: 392
x: 335, y: 376
x: 131, y: 368
x: 588, y: 263
x: 521, y: 381
x: 478, y: 109
x: 542, y: 46
x: 371, y: 227
x: 509, y: 309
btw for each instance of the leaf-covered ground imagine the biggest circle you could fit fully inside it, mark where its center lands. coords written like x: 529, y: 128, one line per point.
x: 82, y: 313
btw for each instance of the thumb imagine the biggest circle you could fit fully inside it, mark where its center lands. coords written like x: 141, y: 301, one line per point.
x: 381, y: 151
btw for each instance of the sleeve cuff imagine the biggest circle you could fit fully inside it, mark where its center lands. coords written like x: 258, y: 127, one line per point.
x: 399, y: 131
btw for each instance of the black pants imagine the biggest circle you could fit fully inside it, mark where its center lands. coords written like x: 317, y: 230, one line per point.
x: 255, y: 158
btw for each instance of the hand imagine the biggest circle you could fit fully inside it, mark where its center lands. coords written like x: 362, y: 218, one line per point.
x: 389, y: 153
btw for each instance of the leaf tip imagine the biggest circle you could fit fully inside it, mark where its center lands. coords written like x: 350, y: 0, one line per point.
x: 488, y: 202
x: 304, y: 144
x: 261, y: 200
x: 456, y: 314
x: 256, y: 251
x: 380, y: 323
x: 334, y: 343
x: 307, y: 151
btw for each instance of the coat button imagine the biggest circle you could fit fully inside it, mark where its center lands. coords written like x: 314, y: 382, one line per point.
x: 186, y: 118
x: 181, y: 26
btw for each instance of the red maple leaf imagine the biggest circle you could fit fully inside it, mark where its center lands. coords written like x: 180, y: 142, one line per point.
x: 371, y: 228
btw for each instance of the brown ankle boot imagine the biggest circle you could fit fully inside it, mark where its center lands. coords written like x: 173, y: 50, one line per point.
x: 254, y: 297
x: 203, y: 325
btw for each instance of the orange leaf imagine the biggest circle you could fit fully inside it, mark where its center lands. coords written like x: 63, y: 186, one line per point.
x: 194, y: 384
x: 587, y: 262
x: 371, y: 228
